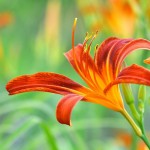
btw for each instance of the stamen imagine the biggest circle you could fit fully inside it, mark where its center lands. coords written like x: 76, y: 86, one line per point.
x: 94, y: 36
x: 89, y: 47
x: 87, y: 37
x: 78, y: 65
x: 73, y: 31
x: 74, y: 54
x: 73, y: 34
x: 93, y: 79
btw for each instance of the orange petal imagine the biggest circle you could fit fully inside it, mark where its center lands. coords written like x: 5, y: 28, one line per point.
x: 132, y: 74
x: 73, y: 56
x: 106, y: 53
x: 42, y: 81
x: 65, y: 107
x: 83, y: 63
x: 102, y: 51
x: 128, y: 48
x: 77, y: 57
x: 110, y: 45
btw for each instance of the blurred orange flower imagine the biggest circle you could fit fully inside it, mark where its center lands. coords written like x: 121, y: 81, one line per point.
x: 100, y: 74
x: 126, y: 140
x: 5, y: 18
x: 118, y: 16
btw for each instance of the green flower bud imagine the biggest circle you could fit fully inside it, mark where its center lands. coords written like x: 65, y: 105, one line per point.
x: 127, y: 92
x: 141, y: 98
x: 142, y: 93
x: 129, y: 98
x: 141, y: 106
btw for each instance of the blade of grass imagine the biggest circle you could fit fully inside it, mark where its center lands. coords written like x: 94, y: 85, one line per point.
x: 49, y: 137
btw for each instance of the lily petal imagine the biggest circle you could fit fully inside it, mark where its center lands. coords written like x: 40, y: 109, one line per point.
x: 128, y: 48
x: 72, y: 56
x: 79, y: 59
x: 132, y: 74
x: 105, y: 56
x: 102, y: 51
x: 43, y: 81
x: 109, y: 46
x: 84, y: 65
x: 65, y: 107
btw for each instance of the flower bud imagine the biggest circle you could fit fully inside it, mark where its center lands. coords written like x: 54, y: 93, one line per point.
x: 141, y: 98
x: 127, y: 92
x: 142, y: 93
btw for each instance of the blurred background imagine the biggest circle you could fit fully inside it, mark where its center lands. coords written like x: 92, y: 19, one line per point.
x: 34, y: 34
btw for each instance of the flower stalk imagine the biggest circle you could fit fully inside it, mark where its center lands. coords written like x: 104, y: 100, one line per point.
x: 129, y: 98
x: 139, y: 130
x: 132, y: 123
x: 144, y: 137
x: 137, y: 115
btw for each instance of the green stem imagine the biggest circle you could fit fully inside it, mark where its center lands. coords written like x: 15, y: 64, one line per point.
x: 134, y: 141
x: 134, y: 112
x: 144, y: 137
x: 133, y: 124
x: 139, y: 131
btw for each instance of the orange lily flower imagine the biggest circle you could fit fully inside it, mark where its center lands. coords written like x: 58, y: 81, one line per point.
x: 113, y: 15
x: 119, y: 14
x: 99, y: 73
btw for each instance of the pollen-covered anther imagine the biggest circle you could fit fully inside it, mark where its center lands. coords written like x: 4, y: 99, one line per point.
x: 87, y: 37
x: 93, y: 36
x: 96, y: 47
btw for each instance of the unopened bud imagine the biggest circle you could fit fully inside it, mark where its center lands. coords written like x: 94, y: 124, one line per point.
x: 142, y: 93
x: 127, y: 92
x: 141, y: 98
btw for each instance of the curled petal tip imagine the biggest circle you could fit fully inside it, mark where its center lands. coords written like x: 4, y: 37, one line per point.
x: 132, y: 74
x: 70, y: 123
x: 65, y: 107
